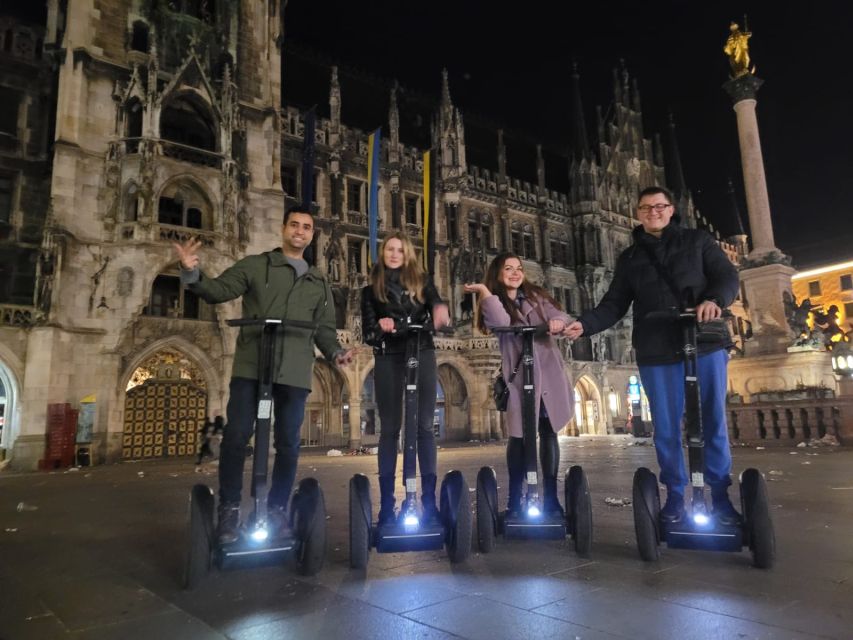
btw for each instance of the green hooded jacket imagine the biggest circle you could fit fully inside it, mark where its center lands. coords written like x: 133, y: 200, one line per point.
x: 270, y: 289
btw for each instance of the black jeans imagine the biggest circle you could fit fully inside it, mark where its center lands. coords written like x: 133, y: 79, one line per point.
x: 289, y: 409
x: 390, y: 378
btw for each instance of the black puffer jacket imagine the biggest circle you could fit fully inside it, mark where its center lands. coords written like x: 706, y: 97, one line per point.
x: 697, y: 266
x: 400, y: 307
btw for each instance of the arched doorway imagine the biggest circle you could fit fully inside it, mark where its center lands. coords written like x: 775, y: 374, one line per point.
x: 588, y: 409
x: 165, y: 407
x: 9, y: 410
x: 452, y: 415
x: 323, y: 424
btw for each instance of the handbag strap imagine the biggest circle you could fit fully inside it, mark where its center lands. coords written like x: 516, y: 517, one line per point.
x: 664, y: 275
x: 515, y: 369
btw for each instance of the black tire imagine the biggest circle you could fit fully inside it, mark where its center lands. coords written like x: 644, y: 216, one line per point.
x: 579, y: 510
x: 308, y: 511
x: 456, y: 516
x: 758, y: 525
x: 487, y: 508
x: 360, y: 517
x: 647, y: 514
x: 200, y: 536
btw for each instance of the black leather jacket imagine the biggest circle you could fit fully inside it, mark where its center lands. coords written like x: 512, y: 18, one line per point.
x: 399, y: 309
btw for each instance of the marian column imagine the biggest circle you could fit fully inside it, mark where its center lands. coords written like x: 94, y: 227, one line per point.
x: 766, y: 272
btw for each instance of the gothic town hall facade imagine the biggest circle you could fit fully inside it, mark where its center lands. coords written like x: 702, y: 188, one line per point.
x: 126, y: 125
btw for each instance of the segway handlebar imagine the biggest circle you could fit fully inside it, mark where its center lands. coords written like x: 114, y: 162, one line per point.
x: 403, y: 326
x: 261, y: 322
x: 675, y: 314
x: 519, y: 329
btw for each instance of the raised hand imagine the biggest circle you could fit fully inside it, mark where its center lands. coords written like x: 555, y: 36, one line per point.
x: 478, y: 288
x: 188, y: 253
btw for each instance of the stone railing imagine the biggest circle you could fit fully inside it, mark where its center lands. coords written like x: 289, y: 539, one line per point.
x: 18, y: 315
x: 792, y: 421
x: 166, y: 233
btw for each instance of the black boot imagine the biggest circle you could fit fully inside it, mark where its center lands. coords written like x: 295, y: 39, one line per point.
x: 549, y: 458
x: 228, y: 527
x: 724, y: 510
x: 431, y: 514
x: 515, y: 467
x: 386, y: 500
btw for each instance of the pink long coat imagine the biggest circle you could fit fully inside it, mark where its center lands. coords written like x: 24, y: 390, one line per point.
x: 553, y: 388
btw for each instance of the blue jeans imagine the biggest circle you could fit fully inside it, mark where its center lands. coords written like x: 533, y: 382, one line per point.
x: 664, y: 386
x: 288, y: 410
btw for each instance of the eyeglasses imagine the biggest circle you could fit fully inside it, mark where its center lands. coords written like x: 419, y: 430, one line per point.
x: 659, y: 208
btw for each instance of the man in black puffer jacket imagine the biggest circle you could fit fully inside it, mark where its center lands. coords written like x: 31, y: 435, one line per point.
x: 691, y: 263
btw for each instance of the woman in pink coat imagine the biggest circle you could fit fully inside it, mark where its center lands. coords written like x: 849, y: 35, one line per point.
x: 505, y: 299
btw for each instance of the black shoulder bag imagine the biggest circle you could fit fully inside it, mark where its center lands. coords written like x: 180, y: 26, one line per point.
x: 500, y: 387
x: 712, y: 332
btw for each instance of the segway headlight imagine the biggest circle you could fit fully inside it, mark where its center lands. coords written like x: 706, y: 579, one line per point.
x: 260, y: 534
x: 411, y: 520
x: 701, y: 519
x: 533, y: 511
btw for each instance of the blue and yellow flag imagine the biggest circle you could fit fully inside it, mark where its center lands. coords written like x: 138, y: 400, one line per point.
x: 429, y: 216
x: 374, y: 147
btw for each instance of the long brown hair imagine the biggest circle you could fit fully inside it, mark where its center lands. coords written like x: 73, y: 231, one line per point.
x: 534, y: 293
x: 412, y: 275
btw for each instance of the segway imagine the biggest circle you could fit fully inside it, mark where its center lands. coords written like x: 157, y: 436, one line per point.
x: 409, y: 531
x: 256, y: 544
x: 700, y: 529
x: 533, y: 522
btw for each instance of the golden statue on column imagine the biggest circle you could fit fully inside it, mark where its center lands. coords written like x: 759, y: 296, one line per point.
x: 737, y: 49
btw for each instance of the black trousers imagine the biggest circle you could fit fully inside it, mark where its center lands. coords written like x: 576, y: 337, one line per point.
x: 288, y: 411
x: 390, y: 379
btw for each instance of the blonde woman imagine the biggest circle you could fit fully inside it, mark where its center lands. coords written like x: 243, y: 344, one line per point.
x: 400, y: 291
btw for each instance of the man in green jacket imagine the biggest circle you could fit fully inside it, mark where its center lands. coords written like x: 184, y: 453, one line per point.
x: 275, y: 284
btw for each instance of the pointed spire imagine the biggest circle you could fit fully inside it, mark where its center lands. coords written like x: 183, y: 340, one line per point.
x: 394, y: 125
x: 501, y: 156
x: 672, y: 162
x: 579, y: 140
x: 636, y: 104
x: 335, y: 99
x: 445, y: 89
x: 540, y: 171
x: 617, y: 87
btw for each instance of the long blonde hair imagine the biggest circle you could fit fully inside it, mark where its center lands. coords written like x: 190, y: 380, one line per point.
x: 412, y: 275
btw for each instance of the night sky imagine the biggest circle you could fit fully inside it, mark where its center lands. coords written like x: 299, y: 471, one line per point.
x: 510, y: 66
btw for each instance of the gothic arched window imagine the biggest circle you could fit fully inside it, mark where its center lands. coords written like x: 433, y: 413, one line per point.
x: 529, y: 244
x: 183, y: 204
x: 515, y: 236
x: 187, y: 120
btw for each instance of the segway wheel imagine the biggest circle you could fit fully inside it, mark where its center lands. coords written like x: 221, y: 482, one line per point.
x: 758, y: 525
x: 308, y: 518
x: 201, y: 534
x: 647, y: 514
x: 455, y: 507
x: 579, y: 510
x: 360, y: 517
x: 487, y: 509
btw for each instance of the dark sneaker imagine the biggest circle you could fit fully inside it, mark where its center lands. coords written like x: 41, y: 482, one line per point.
x: 553, y: 508
x: 279, y: 523
x: 724, y: 511
x: 673, y: 510
x: 386, y: 516
x: 228, y: 527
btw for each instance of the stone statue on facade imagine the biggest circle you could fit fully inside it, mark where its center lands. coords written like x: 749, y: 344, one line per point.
x: 737, y: 49
x: 797, y: 314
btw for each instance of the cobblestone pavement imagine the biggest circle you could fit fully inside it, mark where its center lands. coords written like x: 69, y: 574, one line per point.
x: 98, y: 553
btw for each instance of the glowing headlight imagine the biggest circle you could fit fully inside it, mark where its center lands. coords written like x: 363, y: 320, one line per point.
x: 259, y: 535
x: 701, y: 519
x: 410, y: 521
x: 533, y: 511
